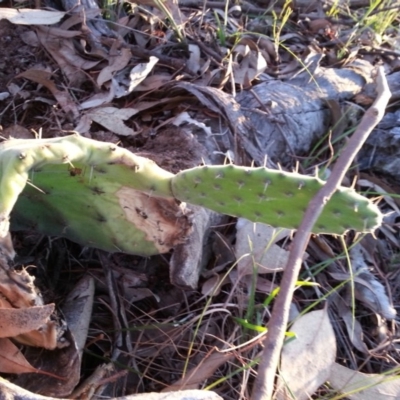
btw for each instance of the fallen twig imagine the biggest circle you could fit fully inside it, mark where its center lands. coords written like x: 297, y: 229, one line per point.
x: 273, y: 342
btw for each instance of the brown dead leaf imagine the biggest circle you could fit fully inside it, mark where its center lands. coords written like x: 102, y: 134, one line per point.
x: 64, y: 364
x: 77, y: 18
x: 249, y: 62
x: 99, y: 99
x: 4, y: 303
x: 18, y: 287
x: 358, y: 386
x: 116, y: 63
x: 213, y: 285
x: 12, y: 361
x: 17, y: 132
x: 30, y: 38
x: 267, y: 47
x: 77, y: 310
x: 64, y: 53
x: 15, y: 321
x: 137, y: 75
x: 368, y: 288
x: 193, y: 64
x: 200, y: 373
x: 307, y: 360
x: 60, y: 33
x: 112, y: 118
x: 63, y: 97
x: 27, y: 16
x: 48, y: 336
x: 353, y: 326
x: 65, y: 361
x: 24, y: 316
x: 153, y: 82
x: 255, y: 248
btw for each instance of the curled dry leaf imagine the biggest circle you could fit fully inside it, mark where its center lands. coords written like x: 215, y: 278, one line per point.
x: 18, y: 287
x: 49, y: 336
x: 358, y: 386
x: 59, y: 32
x: 307, y: 360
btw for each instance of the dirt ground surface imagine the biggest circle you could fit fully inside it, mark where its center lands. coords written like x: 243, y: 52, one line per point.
x: 240, y: 84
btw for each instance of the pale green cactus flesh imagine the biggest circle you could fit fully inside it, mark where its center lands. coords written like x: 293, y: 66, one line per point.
x: 273, y: 197
x: 101, y: 195
x: 96, y: 209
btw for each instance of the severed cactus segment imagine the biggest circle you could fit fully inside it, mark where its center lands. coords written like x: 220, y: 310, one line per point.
x: 103, y: 196
x: 97, y: 210
x: 273, y: 197
x: 100, y: 195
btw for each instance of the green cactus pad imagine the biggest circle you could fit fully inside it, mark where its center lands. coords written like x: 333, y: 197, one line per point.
x: 103, y: 196
x: 273, y: 197
x: 94, y: 193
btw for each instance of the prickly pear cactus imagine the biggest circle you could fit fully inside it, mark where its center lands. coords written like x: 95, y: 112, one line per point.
x: 94, y: 193
x: 273, y: 197
x: 103, y: 196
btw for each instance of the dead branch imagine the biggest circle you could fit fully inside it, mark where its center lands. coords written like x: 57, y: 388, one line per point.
x: 273, y: 342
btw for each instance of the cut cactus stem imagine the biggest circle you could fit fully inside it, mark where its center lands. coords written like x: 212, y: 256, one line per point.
x: 99, y: 195
x: 273, y: 197
x: 104, y: 196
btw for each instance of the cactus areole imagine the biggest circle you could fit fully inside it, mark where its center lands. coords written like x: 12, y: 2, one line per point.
x: 104, y: 196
